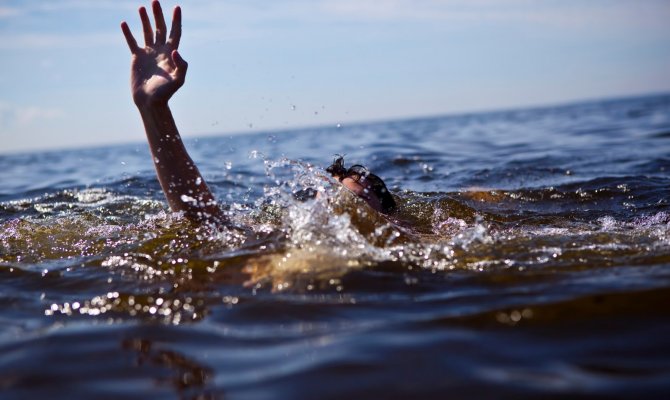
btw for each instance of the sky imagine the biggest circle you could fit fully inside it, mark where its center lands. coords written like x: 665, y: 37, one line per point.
x: 280, y: 64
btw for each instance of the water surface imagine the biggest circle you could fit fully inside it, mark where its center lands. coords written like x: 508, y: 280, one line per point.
x: 530, y: 257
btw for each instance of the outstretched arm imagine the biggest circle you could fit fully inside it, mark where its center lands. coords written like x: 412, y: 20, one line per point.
x: 157, y: 72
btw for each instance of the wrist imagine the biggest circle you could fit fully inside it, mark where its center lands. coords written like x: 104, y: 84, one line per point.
x: 148, y: 103
x: 159, y: 124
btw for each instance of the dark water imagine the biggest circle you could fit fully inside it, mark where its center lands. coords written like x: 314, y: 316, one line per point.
x: 530, y: 258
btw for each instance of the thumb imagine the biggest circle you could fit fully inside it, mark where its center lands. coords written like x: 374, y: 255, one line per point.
x: 179, y: 62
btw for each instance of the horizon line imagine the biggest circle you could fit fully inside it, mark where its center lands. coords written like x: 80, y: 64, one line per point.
x: 333, y: 125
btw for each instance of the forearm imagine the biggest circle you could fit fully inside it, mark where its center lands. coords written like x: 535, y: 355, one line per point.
x: 184, y: 187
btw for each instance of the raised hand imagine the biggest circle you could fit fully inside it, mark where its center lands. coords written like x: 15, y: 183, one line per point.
x: 157, y: 72
x: 157, y: 69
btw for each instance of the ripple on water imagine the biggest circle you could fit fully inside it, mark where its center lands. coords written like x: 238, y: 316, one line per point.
x: 529, y: 257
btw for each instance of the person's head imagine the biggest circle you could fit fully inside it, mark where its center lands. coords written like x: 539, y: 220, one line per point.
x: 364, y: 184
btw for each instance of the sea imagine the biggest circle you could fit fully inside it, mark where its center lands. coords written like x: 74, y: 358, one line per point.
x: 529, y: 258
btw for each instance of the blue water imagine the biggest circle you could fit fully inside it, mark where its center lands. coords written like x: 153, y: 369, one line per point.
x: 530, y: 257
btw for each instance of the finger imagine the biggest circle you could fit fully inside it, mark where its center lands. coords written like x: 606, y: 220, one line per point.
x: 181, y: 66
x: 179, y: 62
x: 132, y: 43
x: 146, y: 27
x: 175, y: 32
x: 161, y: 29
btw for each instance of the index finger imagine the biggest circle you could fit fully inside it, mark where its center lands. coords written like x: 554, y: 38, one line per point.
x: 175, y: 31
x: 132, y: 43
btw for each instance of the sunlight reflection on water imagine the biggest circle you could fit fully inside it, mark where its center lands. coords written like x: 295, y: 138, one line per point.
x: 529, y: 256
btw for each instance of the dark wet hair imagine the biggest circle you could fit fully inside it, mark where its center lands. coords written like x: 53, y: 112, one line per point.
x: 360, y: 173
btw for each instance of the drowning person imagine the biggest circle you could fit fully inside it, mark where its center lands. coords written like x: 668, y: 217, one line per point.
x: 157, y: 72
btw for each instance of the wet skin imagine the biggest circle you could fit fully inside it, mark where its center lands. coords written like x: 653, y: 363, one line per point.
x: 157, y: 72
x: 361, y: 189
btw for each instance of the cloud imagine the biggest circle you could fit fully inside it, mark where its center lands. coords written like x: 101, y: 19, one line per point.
x: 7, y: 12
x: 569, y: 14
x: 25, y: 9
x: 22, y: 41
x: 12, y: 116
x: 239, y: 19
x: 590, y: 16
x: 68, y: 5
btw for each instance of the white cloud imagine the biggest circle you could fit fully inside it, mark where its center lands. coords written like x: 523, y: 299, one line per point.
x: 51, y: 40
x: 12, y: 116
x: 567, y: 14
x: 67, y: 5
x: 7, y: 12
x: 25, y: 9
x: 235, y: 19
x: 613, y: 16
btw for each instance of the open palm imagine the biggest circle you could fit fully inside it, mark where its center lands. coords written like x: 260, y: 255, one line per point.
x: 157, y: 70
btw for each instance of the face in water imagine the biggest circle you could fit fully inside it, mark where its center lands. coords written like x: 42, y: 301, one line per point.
x: 364, y: 184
